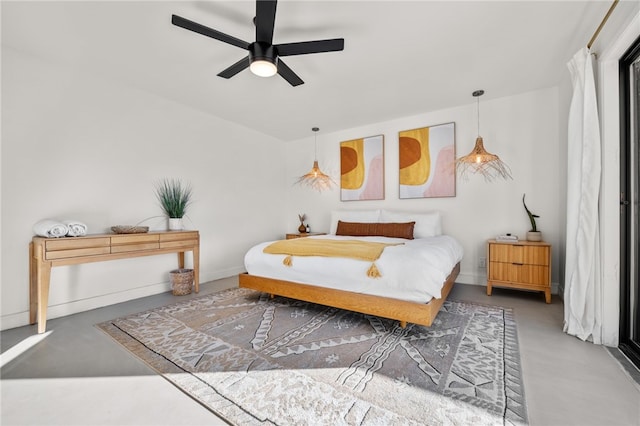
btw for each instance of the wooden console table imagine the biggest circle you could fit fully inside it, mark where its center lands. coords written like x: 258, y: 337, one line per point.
x: 45, y: 253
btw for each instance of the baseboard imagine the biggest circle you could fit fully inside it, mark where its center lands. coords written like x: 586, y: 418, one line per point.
x: 73, y: 307
x: 474, y: 279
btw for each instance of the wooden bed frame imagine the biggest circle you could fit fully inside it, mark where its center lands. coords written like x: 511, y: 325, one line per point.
x: 386, y: 307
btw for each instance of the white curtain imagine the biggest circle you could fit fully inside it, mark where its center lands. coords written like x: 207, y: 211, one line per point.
x: 583, y: 281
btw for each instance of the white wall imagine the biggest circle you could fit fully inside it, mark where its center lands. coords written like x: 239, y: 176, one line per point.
x: 76, y: 146
x: 523, y: 130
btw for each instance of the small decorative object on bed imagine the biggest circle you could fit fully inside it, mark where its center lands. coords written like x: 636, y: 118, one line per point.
x: 408, y: 280
x: 362, y: 169
x: 427, y: 162
x: 174, y: 198
x: 533, y: 234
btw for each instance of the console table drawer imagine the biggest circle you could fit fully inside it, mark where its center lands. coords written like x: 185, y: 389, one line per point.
x: 134, y: 239
x: 81, y: 252
x: 126, y: 248
x: 76, y: 247
x: 133, y: 243
x: 76, y: 243
x: 179, y: 236
x: 177, y: 244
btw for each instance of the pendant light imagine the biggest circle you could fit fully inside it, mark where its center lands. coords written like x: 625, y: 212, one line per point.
x: 479, y: 161
x: 315, y: 178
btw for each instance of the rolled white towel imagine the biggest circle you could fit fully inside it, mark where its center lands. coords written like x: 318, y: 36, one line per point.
x: 50, y: 228
x: 75, y: 228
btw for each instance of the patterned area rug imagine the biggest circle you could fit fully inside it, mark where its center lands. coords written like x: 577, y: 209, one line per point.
x: 256, y: 360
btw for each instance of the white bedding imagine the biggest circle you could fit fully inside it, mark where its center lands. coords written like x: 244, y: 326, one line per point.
x: 414, y: 271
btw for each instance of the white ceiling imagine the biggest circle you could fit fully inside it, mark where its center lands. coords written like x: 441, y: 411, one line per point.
x: 400, y: 58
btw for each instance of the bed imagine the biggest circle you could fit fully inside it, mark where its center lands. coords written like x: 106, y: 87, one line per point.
x: 414, y: 272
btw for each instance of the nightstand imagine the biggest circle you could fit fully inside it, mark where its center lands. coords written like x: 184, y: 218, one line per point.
x: 523, y: 265
x: 303, y: 234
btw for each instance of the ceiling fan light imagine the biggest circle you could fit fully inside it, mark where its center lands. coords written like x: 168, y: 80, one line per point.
x: 263, y: 59
x: 263, y: 68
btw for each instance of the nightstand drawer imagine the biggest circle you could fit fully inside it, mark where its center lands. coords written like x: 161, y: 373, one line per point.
x: 518, y: 253
x: 525, y: 274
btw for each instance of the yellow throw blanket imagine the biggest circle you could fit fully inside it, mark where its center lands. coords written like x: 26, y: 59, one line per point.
x: 352, y: 249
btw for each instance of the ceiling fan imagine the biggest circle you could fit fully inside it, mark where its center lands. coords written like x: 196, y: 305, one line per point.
x: 264, y: 56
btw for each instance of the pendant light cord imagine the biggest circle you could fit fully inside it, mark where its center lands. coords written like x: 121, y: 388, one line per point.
x: 477, y: 95
x: 315, y: 143
x: 478, y: 106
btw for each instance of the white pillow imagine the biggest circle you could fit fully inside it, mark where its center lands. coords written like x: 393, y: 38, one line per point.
x: 361, y: 216
x: 428, y: 224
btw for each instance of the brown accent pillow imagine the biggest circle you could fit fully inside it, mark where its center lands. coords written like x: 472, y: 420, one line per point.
x: 396, y: 230
x: 392, y: 230
x: 356, y: 229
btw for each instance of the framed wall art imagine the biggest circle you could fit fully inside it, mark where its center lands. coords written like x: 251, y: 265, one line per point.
x: 427, y: 162
x: 362, y: 169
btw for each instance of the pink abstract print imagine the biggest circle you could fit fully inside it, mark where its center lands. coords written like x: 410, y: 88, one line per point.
x: 427, y: 162
x: 362, y: 169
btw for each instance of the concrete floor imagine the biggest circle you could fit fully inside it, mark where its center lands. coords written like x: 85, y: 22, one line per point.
x: 77, y: 375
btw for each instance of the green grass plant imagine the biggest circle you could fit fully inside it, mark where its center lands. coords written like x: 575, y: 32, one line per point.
x: 174, y: 197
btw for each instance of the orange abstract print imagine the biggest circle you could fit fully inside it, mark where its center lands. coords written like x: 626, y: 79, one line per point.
x: 352, y: 164
x: 415, y: 163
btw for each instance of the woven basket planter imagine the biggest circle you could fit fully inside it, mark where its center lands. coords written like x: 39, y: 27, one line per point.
x: 181, y: 281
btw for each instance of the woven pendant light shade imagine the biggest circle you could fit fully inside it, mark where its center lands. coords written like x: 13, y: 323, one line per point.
x: 315, y: 178
x: 479, y: 161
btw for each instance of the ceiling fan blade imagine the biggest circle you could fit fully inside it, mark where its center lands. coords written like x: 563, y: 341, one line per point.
x: 265, y: 20
x: 288, y: 74
x: 305, y: 47
x: 234, y: 69
x: 209, y: 32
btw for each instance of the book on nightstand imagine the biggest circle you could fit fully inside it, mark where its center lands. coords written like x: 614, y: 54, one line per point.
x: 507, y: 238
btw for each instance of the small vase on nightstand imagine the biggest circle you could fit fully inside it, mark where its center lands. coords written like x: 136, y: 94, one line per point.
x: 534, y: 236
x: 302, y: 228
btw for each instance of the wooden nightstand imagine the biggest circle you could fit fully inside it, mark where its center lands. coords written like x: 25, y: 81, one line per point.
x: 303, y: 234
x: 523, y: 264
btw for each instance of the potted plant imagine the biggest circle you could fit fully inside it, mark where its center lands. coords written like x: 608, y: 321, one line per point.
x: 174, y: 198
x: 533, y: 234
